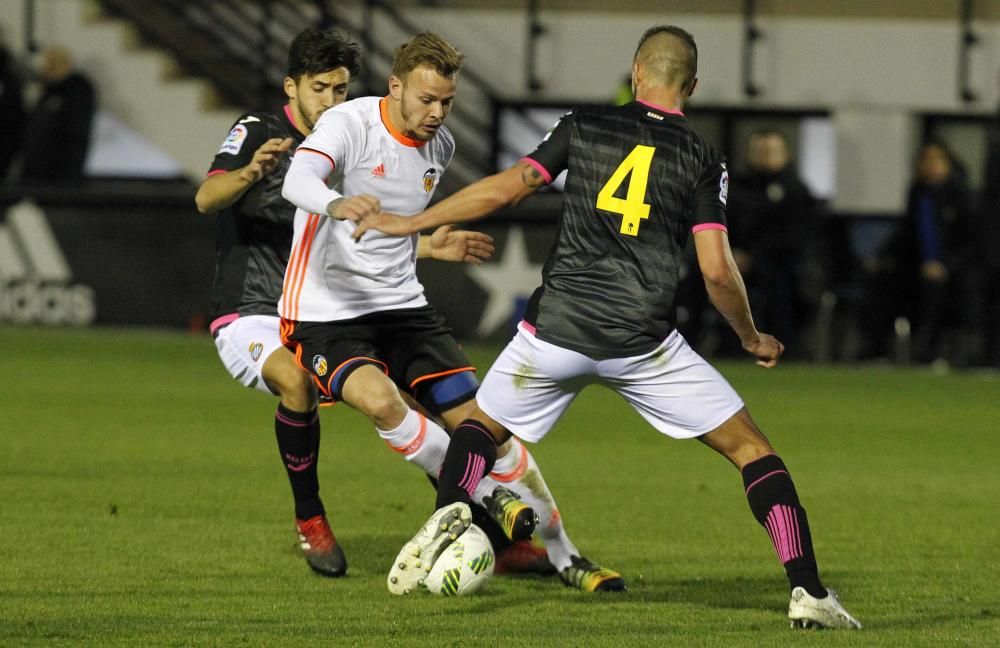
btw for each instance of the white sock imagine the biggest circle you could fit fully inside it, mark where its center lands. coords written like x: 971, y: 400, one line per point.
x: 518, y: 471
x: 420, y: 440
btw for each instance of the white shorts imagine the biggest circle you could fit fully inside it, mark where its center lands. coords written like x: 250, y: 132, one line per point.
x: 533, y: 382
x: 244, y: 344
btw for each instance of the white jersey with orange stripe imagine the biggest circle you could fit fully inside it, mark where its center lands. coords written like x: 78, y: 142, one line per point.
x: 354, y: 149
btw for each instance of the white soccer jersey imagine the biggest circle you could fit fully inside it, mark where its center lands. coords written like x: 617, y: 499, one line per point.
x: 354, y: 149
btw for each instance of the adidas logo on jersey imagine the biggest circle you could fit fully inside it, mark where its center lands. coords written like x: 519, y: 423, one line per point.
x: 35, y: 279
x: 379, y: 171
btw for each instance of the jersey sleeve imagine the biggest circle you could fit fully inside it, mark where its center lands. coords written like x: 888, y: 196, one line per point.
x: 333, y: 144
x: 552, y: 155
x: 244, y: 138
x: 335, y: 138
x: 710, y: 196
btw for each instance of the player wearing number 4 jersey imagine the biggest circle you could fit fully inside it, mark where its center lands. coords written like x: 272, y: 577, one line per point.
x: 639, y: 181
x: 355, y: 315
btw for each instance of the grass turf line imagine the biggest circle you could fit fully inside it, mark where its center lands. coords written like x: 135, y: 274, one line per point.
x: 143, y: 501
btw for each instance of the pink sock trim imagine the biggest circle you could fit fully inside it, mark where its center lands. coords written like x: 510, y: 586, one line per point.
x: 474, y: 467
x: 770, y: 474
x: 782, y: 526
x: 287, y: 421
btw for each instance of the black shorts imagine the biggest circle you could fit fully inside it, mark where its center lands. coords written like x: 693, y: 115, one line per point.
x: 413, y: 346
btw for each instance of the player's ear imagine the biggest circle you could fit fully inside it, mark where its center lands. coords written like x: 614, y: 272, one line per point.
x: 694, y: 84
x: 289, y: 87
x: 395, y: 87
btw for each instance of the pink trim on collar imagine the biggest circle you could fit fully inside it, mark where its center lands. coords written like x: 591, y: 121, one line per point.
x: 669, y: 111
x: 291, y: 116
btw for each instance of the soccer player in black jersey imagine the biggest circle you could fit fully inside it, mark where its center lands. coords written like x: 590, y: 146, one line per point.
x: 254, y: 237
x: 639, y: 180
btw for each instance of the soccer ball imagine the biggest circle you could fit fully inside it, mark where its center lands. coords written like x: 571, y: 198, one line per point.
x: 464, y: 567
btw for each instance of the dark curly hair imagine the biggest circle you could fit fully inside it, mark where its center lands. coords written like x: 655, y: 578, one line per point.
x: 316, y: 50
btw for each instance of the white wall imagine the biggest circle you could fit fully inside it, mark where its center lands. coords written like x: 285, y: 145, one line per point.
x: 872, y: 74
x: 899, y: 63
x: 887, y: 69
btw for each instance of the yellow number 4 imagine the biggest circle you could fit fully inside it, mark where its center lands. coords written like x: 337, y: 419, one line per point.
x: 634, y: 208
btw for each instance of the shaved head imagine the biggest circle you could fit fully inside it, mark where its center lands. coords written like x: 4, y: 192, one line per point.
x: 669, y: 57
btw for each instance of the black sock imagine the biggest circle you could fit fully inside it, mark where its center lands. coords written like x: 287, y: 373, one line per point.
x: 298, y: 443
x: 482, y: 519
x: 776, y: 506
x: 470, y: 457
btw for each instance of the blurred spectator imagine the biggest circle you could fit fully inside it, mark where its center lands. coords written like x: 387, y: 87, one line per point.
x: 58, y: 134
x: 773, y: 229
x: 927, y: 269
x: 989, y: 239
x: 11, y: 110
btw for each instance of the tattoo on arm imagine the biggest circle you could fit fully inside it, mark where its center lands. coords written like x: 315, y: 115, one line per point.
x: 531, y: 177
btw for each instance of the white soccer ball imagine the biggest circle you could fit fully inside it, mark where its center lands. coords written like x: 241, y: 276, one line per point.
x: 464, y: 567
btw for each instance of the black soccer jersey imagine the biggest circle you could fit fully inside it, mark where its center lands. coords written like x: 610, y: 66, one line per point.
x: 254, y: 234
x: 639, y: 180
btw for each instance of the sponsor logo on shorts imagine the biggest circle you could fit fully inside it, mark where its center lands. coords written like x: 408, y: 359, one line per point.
x: 320, y: 366
x: 429, y: 176
x: 256, y: 348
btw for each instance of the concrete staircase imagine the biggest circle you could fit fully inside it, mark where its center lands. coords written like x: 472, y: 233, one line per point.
x: 143, y: 87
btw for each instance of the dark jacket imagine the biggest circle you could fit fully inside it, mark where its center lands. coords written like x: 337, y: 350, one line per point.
x: 58, y: 137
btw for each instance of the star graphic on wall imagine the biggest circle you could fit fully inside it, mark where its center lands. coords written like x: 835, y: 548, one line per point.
x: 512, y: 277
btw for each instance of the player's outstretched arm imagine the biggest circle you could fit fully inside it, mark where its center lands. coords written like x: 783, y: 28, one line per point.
x: 222, y: 190
x: 446, y: 244
x: 729, y: 296
x: 479, y: 199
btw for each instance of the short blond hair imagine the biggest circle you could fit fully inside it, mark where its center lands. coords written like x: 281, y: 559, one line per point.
x: 430, y: 50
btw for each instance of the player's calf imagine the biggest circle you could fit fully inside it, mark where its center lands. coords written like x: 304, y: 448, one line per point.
x: 470, y: 457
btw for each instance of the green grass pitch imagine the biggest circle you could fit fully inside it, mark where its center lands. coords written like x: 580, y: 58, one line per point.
x: 142, y: 502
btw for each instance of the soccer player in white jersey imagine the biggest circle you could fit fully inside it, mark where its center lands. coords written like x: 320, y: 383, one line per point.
x: 254, y: 238
x: 355, y: 315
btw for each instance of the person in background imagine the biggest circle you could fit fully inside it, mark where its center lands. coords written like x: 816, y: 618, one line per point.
x: 926, y: 270
x: 11, y: 110
x: 58, y: 135
x: 773, y: 230
x: 988, y: 239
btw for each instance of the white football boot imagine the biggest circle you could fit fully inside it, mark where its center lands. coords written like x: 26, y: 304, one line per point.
x: 417, y: 556
x: 806, y: 611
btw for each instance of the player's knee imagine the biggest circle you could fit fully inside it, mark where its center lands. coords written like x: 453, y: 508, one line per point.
x: 299, y: 393
x: 739, y: 440
x: 293, y: 385
x: 383, y: 405
x: 387, y: 413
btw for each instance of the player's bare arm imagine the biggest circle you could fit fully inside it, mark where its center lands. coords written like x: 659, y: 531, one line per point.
x: 446, y: 244
x: 728, y: 294
x: 222, y: 190
x: 479, y: 199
